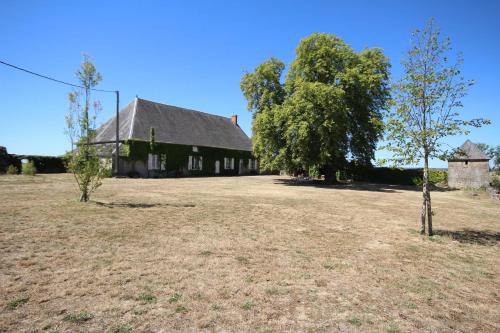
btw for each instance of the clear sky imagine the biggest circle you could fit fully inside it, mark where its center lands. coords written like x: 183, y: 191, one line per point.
x: 194, y: 53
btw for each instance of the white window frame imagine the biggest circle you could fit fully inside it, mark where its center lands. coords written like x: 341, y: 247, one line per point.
x: 195, y: 162
x: 228, y: 163
x: 154, y: 162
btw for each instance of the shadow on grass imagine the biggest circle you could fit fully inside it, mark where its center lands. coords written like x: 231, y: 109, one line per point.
x: 139, y: 205
x: 470, y: 236
x: 356, y: 186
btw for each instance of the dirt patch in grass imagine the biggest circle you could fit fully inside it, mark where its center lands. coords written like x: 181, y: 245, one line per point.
x: 244, y: 254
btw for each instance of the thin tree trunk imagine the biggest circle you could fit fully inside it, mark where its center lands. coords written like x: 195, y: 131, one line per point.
x: 426, y: 207
x: 423, y: 212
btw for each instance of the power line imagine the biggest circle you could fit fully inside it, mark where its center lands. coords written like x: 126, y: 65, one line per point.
x: 52, y: 79
x: 117, y: 141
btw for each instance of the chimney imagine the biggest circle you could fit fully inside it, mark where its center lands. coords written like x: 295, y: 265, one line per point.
x: 234, y: 119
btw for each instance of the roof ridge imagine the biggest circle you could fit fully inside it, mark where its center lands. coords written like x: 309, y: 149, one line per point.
x: 132, y: 120
x: 184, y: 109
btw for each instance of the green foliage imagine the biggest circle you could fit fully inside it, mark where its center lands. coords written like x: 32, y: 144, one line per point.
x: 152, y: 140
x: 495, y: 183
x: 263, y: 91
x: 12, y: 170
x: 78, y: 317
x: 174, y: 298
x: 426, y: 99
x: 84, y: 162
x: 396, y: 176
x: 17, y: 302
x: 7, y: 160
x: 29, y: 168
x: 354, y: 321
x: 177, y: 157
x: 314, y: 171
x: 181, y: 309
x: 248, y: 305
x: 438, y: 176
x: 47, y: 164
x: 425, y: 102
x: 88, y: 169
x: 493, y: 152
x: 147, y: 297
x: 327, y: 110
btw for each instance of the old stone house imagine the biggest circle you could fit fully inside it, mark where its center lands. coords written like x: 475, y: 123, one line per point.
x: 187, y: 142
x: 468, y: 168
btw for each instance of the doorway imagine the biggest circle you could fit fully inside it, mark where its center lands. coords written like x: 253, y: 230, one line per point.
x: 217, y: 167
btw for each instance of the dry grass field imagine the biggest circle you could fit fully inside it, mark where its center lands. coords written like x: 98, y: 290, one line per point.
x: 246, y: 254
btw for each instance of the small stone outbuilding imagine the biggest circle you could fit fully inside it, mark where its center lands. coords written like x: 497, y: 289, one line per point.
x: 468, y: 168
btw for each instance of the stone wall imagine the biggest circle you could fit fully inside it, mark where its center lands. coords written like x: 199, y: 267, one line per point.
x: 468, y: 174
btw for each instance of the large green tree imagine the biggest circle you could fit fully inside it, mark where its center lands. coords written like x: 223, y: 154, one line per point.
x: 325, y: 113
x: 426, y: 100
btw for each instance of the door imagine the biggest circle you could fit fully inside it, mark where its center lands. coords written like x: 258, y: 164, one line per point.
x: 217, y: 167
x: 240, y: 171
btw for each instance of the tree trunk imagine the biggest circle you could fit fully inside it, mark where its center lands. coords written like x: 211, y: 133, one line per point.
x: 429, y: 213
x: 423, y: 212
x: 330, y: 174
x: 84, y: 196
x: 426, y: 204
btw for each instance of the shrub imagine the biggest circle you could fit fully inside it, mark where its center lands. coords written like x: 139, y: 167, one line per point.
x: 78, y: 317
x: 395, y: 176
x: 438, y: 176
x: 495, y: 183
x: 12, y: 170
x: 17, y: 302
x: 47, y: 164
x: 314, y: 172
x: 29, y: 168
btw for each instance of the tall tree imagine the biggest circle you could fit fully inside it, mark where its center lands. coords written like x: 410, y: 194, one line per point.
x: 492, y: 152
x: 326, y: 112
x: 425, y: 102
x: 84, y: 163
x: 264, y: 91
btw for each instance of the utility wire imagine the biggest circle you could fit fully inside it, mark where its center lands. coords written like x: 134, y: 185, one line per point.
x: 52, y: 79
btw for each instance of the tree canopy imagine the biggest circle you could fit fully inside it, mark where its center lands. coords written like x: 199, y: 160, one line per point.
x: 426, y: 100
x: 328, y: 110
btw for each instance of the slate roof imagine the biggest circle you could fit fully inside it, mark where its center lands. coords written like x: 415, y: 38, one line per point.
x: 174, y: 125
x: 469, y: 151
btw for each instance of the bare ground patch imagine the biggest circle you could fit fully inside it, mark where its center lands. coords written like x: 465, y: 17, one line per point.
x: 243, y: 254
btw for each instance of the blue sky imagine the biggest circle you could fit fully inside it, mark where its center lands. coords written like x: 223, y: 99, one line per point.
x: 194, y: 53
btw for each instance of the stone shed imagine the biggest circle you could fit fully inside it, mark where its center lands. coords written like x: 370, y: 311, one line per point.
x: 468, y: 168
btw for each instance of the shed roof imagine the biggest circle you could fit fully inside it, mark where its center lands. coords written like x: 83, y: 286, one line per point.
x: 469, y: 151
x: 173, y: 124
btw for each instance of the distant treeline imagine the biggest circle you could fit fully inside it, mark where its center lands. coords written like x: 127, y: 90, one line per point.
x: 43, y: 164
x: 395, y: 176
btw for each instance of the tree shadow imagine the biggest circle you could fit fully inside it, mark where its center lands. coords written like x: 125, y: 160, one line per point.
x: 469, y: 236
x: 356, y: 186
x: 139, y: 205
x: 346, y: 186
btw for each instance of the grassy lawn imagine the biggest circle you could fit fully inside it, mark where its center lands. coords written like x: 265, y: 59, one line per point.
x: 252, y: 254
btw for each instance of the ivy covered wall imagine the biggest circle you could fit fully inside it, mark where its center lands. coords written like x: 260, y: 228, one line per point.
x: 177, y: 158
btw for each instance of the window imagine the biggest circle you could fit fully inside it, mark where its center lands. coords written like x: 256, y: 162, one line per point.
x: 163, y: 163
x: 252, y: 164
x: 195, y: 149
x: 153, y: 162
x: 229, y: 163
x: 195, y: 163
